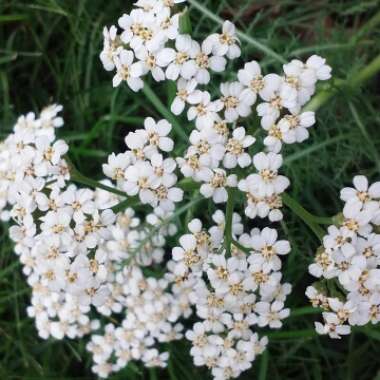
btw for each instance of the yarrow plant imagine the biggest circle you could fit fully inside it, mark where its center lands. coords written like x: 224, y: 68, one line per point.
x: 92, y: 256
x: 78, y: 254
x: 348, y: 263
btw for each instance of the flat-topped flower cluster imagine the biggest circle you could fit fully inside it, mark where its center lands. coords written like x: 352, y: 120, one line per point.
x: 231, y: 293
x: 349, y: 264
x: 231, y: 288
x: 125, y: 252
x: 56, y: 226
x: 78, y: 255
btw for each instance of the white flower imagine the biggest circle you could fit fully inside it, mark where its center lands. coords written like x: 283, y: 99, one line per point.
x: 362, y: 192
x: 116, y: 166
x: 234, y: 101
x: 141, y: 180
x: 323, y: 265
x: 165, y: 194
x: 342, y: 310
x: 111, y: 47
x: 225, y: 43
x: 183, y: 51
x: 340, y: 238
x: 157, y: 134
x: 152, y: 358
x: 350, y: 269
x: 153, y: 62
x: 80, y: 201
x: 271, y: 314
x: 200, y: 63
x: 251, y: 78
x: 302, y: 78
x: 49, y: 119
x: 356, y: 219
x: 217, y: 232
x: 191, y: 166
x: 168, y: 25
x: 138, y: 143
x: 261, y: 206
x: 267, y: 181
x: 207, y: 145
x: 318, y: 64
x: 276, y: 97
x: 204, y: 111
x: 164, y: 169
x: 350, y: 257
x: 332, y: 327
x: 268, y: 247
x: 140, y: 29
x: 186, y: 93
x: 96, y: 227
x: 57, y: 223
x: 235, y: 149
x: 273, y: 141
x: 48, y: 154
x: 198, y: 338
x: 186, y: 256
x: 216, y: 183
x: 294, y: 127
x: 128, y: 71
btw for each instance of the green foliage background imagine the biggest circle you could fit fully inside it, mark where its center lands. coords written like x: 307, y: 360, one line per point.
x: 49, y: 52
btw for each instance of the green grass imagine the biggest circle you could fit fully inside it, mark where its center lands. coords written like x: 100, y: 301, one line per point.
x: 49, y: 52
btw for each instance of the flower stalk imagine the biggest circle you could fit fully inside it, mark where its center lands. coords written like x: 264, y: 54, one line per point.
x: 77, y: 177
x: 229, y: 216
x: 356, y: 80
x: 309, y: 219
x: 244, y: 37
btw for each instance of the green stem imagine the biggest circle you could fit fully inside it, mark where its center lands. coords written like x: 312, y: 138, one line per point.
x: 368, y: 72
x: 130, y: 202
x: 244, y: 37
x: 229, y: 216
x: 185, y: 22
x: 356, y: 80
x: 306, y: 310
x: 324, y: 95
x: 76, y: 176
x: 188, y: 184
x: 241, y: 247
x: 292, y: 334
x: 166, y: 221
x: 263, y: 371
x: 366, y: 28
x: 161, y: 108
x: 152, y: 374
x: 308, y: 333
x: 316, y: 219
x: 311, y: 220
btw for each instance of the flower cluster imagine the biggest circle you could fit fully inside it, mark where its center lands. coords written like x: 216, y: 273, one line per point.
x: 90, y: 255
x: 78, y: 254
x: 348, y: 264
x: 151, y: 318
x: 220, y: 155
x: 214, y: 148
x: 144, y: 171
x: 231, y: 293
x: 57, y: 227
x: 149, y: 41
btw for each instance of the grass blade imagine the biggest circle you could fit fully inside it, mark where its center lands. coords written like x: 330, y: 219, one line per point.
x: 243, y: 36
